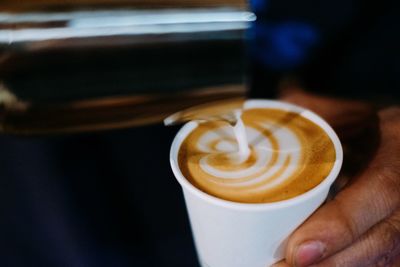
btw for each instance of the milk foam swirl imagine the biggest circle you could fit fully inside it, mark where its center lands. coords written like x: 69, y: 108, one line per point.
x: 280, y: 152
x: 276, y: 156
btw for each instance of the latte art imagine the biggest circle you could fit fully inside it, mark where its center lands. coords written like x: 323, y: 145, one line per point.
x: 288, y: 156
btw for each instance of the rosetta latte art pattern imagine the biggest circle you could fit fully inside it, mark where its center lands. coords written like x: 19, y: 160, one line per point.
x: 282, y: 146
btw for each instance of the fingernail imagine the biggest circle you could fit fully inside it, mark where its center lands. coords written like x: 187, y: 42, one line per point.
x: 308, y: 253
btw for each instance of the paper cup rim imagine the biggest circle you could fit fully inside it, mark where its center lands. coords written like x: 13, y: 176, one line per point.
x: 260, y: 103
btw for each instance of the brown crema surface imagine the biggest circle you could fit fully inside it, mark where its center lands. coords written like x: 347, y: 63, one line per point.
x: 287, y: 172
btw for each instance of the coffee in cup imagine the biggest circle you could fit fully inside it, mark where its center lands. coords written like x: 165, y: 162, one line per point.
x: 289, y: 155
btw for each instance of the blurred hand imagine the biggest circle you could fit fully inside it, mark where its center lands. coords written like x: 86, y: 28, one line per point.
x: 360, y: 226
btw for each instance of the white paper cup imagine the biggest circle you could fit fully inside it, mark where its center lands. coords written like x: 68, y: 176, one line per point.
x: 232, y: 234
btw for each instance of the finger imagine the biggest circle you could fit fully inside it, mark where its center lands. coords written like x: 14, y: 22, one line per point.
x: 395, y: 263
x: 340, y: 222
x: 392, y: 263
x: 370, y: 198
x: 281, y: 264
x: 378, y: 247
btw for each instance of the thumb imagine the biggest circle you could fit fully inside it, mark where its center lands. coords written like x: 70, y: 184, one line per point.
x: 373, y: 196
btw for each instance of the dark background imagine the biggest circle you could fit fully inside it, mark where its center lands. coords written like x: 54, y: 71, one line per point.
x: 104, y: 199
x: 110, y: 199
